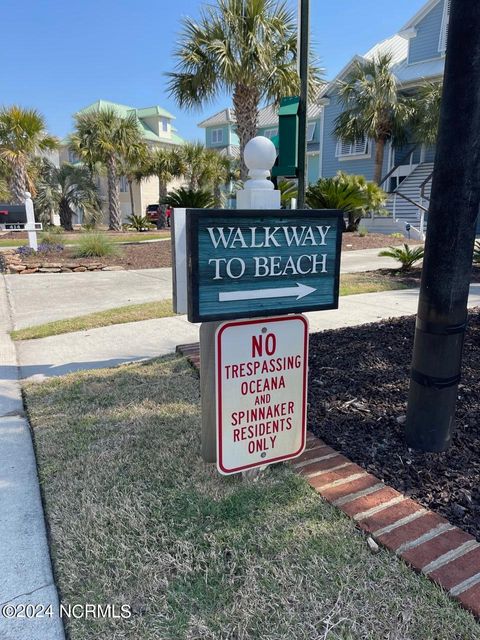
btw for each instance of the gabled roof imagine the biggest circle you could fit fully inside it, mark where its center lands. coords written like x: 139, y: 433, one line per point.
x: 267, y: 116
x: 124, y: 111
x: 396, y: 46
x: 225, y: 116
x: 414, y: 73
x: 419, y: 15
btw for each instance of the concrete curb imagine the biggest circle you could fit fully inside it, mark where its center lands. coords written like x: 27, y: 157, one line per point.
x: 26, y: 576
x: 427, y: 542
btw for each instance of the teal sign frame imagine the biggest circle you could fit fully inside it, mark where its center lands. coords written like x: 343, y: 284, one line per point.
x: 247, y: 264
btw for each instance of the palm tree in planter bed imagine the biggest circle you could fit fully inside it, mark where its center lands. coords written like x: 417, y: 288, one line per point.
x: 165, y: 164
x: 65, y: 189
x: 22, y: 135
x: 373, y: 108
x: 104, y: 137
x: 246, y: 47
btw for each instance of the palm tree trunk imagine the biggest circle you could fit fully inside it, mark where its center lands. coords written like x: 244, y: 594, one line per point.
x: 113, y: 196
x: 162, y: 194
x: 132, y: 202
x: 217, y: 194
x: 379, y: 154
x: 162, y: 189
x: 245, y: 105
x: 65, y: 216
x: 18, y: 182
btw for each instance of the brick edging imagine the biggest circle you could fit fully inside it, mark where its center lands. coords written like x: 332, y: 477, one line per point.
x: 429, y: 543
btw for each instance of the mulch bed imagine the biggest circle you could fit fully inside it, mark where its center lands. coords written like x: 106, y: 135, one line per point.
x: 357, y: 403
x: 149, y: 255
x: 353, y: 242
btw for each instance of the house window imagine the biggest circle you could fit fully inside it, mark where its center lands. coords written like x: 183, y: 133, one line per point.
x: 311, y: 131
x: 217, y: 136
x: 123, y: 184
x: 442, y: 45
x: 357, y: 148
x: 270, y: 133
x: 164, y: 124
x: 72, y: 157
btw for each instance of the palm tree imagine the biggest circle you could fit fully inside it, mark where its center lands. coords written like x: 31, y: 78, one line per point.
x: 219, y: 171
x: 105, y: 137
x: 351, y: 194
x: 194, y: 157
x: 373, y: 107
x: 65, y: 189
x: 165, y: 164
x: 22, y: 135
x: 189, y: 198
x: 245, y: 47
x: 427, y: 113
x: 130, y: 166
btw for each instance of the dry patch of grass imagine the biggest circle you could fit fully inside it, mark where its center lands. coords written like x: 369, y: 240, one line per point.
x: 136, y: 517
x: 373, y: 281
x: 119, y: 315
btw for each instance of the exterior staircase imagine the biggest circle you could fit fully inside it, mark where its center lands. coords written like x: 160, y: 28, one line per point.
x: 404, y: 211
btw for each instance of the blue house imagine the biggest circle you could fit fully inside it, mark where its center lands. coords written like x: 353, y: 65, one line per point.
x: 418, y: 56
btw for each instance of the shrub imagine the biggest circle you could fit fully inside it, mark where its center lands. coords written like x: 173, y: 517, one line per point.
x: 288, y: 190
x: 95, y: 245
x: 189, y: 198
x: 51, y: 237
x: 398, y: 235
x: 476, y: 252
x: 406, y: 256
x: 139, y: 223
x: 43, y: 247
x: 352, y: 194
x: 362, y: 232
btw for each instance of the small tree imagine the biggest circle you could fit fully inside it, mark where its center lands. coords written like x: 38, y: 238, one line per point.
x: 65, y: 189
x: 352, y: 194
x: 372, y: 107
x: 105, y: 137
x: 22, y: 135
x: 246, y: 47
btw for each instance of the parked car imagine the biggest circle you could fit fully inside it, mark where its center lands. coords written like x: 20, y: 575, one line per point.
x: 153, y: 213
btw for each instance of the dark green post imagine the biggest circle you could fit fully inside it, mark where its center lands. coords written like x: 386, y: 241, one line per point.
x: 442, y: 309
x: 302, y: 110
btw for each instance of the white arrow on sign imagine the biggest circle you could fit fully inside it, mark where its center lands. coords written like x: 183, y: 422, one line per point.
x: 300, y: 291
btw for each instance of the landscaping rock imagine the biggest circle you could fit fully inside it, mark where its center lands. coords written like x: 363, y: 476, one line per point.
x: 16, y: 268
x: 80, y: 268
x: 113, y: 268
x: 49, y: 270
x: 29, y: 270
x: 65, y: 270
x: 71, y: 265
x: 52, y: 265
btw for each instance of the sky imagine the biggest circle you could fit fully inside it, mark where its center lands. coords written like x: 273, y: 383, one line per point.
x: 61, y: 55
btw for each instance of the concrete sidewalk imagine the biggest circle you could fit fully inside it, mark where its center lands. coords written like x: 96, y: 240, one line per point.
x: 25, y: 567
x: 107, y: 346
x: 41, y: 298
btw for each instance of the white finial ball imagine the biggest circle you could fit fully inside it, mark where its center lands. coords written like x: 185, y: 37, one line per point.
x: 260, y: 153
x: 28, y: 194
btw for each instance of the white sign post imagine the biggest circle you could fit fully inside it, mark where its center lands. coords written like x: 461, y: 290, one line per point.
x: 261, y: 391
x: 32, y: 234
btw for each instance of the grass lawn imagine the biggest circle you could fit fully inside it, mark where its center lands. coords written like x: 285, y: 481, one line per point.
x: 119, y: 315
x: 135, y: 517
x: 371, y: 281
x: 69, y: 239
